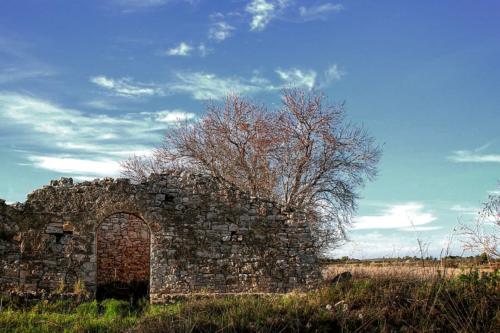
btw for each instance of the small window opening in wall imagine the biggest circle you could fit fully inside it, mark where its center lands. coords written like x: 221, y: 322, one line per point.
x: 58, y: 238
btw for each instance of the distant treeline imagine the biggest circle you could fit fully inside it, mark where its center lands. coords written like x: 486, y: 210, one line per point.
x: 478, y: 259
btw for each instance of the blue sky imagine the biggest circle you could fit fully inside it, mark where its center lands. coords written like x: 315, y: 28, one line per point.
x: 84, y: 84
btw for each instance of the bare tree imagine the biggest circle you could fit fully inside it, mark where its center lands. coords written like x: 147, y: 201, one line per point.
x: 303, y: 155
x: 483, y: 236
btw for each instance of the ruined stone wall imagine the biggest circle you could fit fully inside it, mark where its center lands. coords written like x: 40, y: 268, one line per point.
x: 203, y: 236
x: 9, y: 252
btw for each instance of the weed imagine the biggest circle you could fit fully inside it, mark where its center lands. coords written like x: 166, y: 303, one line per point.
x: 60, y: 288
x: 79, y: 288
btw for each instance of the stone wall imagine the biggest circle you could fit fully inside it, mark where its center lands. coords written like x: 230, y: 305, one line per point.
x: 9, y: 253
x: 122, y: 249
x: 203, y: 237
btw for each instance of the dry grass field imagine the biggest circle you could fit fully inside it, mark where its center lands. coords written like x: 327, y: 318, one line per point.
x: 416, y: 269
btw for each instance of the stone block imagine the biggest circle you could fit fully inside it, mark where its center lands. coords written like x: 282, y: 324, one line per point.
x: 54, y: 228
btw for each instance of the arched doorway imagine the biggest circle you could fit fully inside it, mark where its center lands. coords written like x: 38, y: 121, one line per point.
x: 123, y: 257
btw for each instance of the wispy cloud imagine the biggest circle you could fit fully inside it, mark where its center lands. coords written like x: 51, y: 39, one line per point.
x: 473, y: 156
x: 467, y: 210
x: 263, y: 12
x: 74, y: 166
x: 319, y: 11
x: 378, y: 244
x: 131, y: 6
x: 16, y: 63
x: 126, y: 87
x: 220, y: 31
x: 297, y: 77
x: 142, y: 3
x: 168, y: 116
x: 183, y: 50
x: 333, y: 73
x: 204, y: 86
x: 100, y: 104
x: 11, y: 74
x: 81, y: 144
x: 422, y: 228
x: 204, y: 50
x: 308, y: 78
x: 399, y: 216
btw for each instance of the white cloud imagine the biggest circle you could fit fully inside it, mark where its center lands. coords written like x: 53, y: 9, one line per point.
x: 17, y: 64
x: 183, y: 50
x: 66, y: 165
x: 484, y: 147
x: 203, y: 50
x: 204, y: 86
x: 84, y: 178
x: 333, y: 73
x: 174, y: 116
x: 135, y: 5
x: 263, y: 12
x: 473, y: 156
x: 319, y: 11
x: 309, y: 78
x: 220, y: 31
x: 376, y: 244
x: 467, y: 210
x: 12, y: 74
x: 130, y: 6
x: 297, y: 77
x: 126, y: 87
x: 142, y: 3
x: 400, y: 216
x: 100, y: 104
x: 419, y: 228
x: 59, y: 139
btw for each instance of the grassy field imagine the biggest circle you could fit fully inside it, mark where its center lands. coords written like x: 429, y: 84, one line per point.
x: 374, y: 300
x: 417, y: 269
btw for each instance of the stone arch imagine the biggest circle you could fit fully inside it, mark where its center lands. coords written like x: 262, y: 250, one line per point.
x: 123, y: 255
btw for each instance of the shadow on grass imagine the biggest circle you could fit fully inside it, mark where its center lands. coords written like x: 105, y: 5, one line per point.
x: 132, y: 292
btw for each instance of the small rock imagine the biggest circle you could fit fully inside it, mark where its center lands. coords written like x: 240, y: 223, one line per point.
x: 344, y: 276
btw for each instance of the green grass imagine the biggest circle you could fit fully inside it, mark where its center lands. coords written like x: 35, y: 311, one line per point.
x: 469, y: 303
x: 64, y: 316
